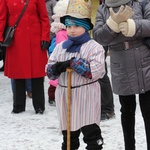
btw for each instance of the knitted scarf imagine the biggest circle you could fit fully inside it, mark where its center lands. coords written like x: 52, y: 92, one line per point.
x: 73, y: 44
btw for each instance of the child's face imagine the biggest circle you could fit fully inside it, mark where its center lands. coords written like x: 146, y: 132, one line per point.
x: 74, y: 31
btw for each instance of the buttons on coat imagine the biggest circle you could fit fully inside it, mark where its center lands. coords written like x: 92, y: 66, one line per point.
x: 142, y: 90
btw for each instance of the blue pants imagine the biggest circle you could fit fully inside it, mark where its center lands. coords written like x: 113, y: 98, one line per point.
x: 27, y: 82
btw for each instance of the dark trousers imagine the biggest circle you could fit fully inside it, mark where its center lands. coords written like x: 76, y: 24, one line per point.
x: 107, y: 101
x: 51, y: 92
x: 38, y: 96
x: 128, y: 107
x: 27, y: 84
x: 92, y: 137
x: 2, y: 56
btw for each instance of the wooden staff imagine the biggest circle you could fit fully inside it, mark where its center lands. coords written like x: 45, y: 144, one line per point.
x: 69, y: 70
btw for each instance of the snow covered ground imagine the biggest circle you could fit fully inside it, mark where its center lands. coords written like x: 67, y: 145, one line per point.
x: 30, y: 131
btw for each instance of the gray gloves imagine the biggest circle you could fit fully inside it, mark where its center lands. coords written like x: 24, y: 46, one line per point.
x: 128, y: 28
x: 121, y: 22
x: 122, y: 15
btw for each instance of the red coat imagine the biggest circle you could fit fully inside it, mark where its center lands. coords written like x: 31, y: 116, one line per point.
x: 25, y: 58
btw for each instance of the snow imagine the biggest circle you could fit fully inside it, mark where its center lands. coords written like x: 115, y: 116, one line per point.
x: 30, y: 131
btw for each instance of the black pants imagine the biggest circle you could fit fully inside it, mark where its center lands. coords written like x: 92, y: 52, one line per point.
x: 107, y: 101
x: 92, y: 137
x: 128, y: 107
x: 2, y: 55
x: 38, y: 96
x: 51, y: 92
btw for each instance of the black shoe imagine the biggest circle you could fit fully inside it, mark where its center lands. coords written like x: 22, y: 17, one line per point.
x: 51, y: 102
x: 29, y: 94
x: 17, y: 111
x: 2, y: 69
x: 39, y: 111
x: 107, y: 116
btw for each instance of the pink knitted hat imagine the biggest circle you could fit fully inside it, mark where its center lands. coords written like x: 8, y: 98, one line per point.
x: 57, y: 25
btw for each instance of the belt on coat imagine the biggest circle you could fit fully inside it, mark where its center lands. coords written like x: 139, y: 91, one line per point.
x: 77, y: 85
x: 127, y: 45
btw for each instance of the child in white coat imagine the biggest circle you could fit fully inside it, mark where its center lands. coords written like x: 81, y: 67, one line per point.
x: 86, y: 57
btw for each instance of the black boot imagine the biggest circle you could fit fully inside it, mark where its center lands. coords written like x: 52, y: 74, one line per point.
x: 74, y: 140
x: 128, y: 123
x: 128, y: 106
x: 2, y: 56
x: 2, y: 69
x: 145, y: 109
x: 92, y: 137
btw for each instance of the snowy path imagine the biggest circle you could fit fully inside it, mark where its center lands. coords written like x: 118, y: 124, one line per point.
x: 29, y: 131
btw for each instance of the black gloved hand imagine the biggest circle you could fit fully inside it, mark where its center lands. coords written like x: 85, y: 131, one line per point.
x: 62, y: 66
x: 55, y: 68
x: 45, y: 45
x: 1, y: 43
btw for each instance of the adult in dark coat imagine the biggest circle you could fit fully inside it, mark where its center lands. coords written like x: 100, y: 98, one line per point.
x: 123, y: 29
x: 107, y: 99
x: 27, y: 55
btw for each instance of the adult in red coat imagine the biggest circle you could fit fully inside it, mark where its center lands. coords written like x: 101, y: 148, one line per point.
x: 27, y: 55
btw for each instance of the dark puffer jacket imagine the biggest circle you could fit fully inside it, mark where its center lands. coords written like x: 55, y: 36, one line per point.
x: 129, y: 56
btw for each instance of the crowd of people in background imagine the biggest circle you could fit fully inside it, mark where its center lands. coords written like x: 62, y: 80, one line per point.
x: 54, y: 14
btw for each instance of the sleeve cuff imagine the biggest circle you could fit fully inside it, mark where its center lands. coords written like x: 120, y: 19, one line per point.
x: 131, y: 28
x: 113, y: 25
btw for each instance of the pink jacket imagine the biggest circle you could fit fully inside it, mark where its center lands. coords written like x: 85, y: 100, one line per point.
x: 60, y: 36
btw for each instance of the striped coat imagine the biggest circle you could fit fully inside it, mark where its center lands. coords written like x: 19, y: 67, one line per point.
x: 85, y: 100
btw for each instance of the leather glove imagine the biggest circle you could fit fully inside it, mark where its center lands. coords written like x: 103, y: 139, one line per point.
x: 122, y: 15
x: 60, y: 67
x: 45, y: 45
x: 55, y: 68
x: 128, y: 28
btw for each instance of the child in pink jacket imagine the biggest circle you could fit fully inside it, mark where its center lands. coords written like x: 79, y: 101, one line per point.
x: 60, y: 31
